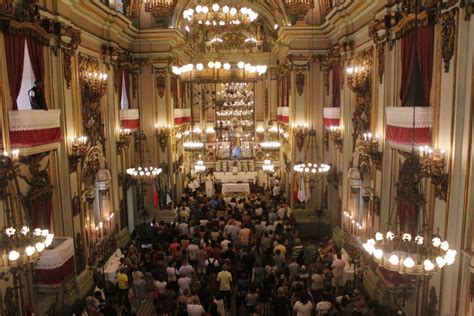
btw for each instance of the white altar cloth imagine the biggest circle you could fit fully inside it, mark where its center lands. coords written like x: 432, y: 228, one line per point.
x: 227, y: 177
x: 235, y: 188
x: 110, y: 269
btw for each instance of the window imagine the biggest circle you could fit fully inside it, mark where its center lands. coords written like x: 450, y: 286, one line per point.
x: 27, y: 82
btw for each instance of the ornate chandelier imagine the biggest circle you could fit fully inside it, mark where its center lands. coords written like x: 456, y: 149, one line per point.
x: 160, y: 8
x: 144, y: 173
x: 298, y: 7
x: 311, y: 168
x: 199, y: 167
x: 398, y: 249
x: 220, y: 71
x: 215, y: 16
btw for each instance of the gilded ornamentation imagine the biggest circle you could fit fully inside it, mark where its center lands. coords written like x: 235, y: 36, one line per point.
x: 448, y: 37
x: 40, y: 187
x: 380, y: 48
x: 300, y: 81
x: 6, y: 8
x: 360, y: 83
x: 326, y: 80
x: 161, y: 82
x: 469, y: 7
x: 68, y: 39
x: 92, y: 121
x: 134, y: 84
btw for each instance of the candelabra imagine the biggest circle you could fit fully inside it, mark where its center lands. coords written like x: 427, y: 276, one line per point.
x: 369, y: 146
x: 94, y: 83
x: 78, y: 152
x: 160, y: 8
x: 300, y: 131
x: 358, y: 77
x: 162, y: 132
x: 298, y: 7
x: 124, y: 138
x: 433, y: 164
x: 336, y: 136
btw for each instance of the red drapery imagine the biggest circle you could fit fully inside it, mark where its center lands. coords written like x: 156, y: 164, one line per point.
x: 15, y: 52
x: 35, y: 49
x: 41, y: 209
x: 127, y: 86
x: 424, y: 37
x: 35, y: 137
x: 336, y: 86
x: 183, y: 94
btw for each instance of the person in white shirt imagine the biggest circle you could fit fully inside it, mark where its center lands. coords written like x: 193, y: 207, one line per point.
x: 193, y: 251
x: 338, y: 266
x: 184, y: 283
x: 195, y: 308
x: 186, y: 270
x: 303, y: 307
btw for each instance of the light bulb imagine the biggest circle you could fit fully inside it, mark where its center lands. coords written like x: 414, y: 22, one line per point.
x: 210, y: 64
x: 39, y: 246
x: 419, y: 240
x: 226, y: 66
x: 440, y: 262
x: 408, y: 262
x: 13, y: 255
x: 30, y: 250
x: 394, y: 260
x: 378, y: 236
x: 225, y: 9
x: 428, y: 265
x: 444, y: 245
x: 406, y: 237
x: 378, y: 253
x: 241, y: 65
x: 215, y: 7
x: 233, y: 11
x: 436, y: 242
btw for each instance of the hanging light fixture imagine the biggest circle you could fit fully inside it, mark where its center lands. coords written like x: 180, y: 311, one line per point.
x: 18, y: 243
x: 160, y: 8
x: 223, y: 17
x: 144, y: 173
x: 399, y: 249
x: 220, y: 71
x: 311, y: 167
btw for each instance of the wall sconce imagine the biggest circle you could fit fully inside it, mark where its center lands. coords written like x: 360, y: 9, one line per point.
x: 300, y: 130
x: 433, y: 164
x: 124, y: 138
x: 336, y: 136
x: 162, y: 131
x: 95, y: 83
x: 358, y: 78
x: 79, y: 149
x: 370, y: 148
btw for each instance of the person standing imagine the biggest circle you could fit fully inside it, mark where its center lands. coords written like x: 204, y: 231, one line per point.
x: 37, y: 99
x: 303, y: 307
x: 224, y: 278
x: 210, y: 185
x: 122, y: 284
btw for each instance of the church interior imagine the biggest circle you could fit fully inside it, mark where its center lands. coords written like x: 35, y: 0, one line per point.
x: 132, y: 130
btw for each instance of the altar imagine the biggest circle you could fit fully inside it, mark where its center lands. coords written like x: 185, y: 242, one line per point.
x: 235, y: 188
x: 230, y: 177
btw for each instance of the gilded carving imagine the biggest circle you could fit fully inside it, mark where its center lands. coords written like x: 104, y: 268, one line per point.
x: 134, y: 84
x: 380, y: 48
x: 6, y: 8
x: 326, y: 80
x: 300, y: 81
x: 161, y: 82
x: 92, y: 121
x: 448, y: 37
x: 469, y: 7
x: 68, y: 39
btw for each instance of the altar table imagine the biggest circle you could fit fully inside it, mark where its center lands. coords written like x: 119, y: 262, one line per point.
x: 226, y: 177
x: 110, y: 268
x: 235, y: 188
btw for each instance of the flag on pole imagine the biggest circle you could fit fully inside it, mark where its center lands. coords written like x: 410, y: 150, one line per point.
x: 168, y: 193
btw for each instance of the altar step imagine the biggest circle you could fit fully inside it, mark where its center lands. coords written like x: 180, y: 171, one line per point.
x: 310, y: 225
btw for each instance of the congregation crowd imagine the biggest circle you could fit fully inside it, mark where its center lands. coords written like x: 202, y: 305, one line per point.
x: 230, y: 256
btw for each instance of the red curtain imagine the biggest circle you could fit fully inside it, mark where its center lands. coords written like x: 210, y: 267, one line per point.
x: 336, y: 86
x: 41, y: 209
x: 35, y: 49
x: 424, y: 37
x: 15, y: 52
x: 424, y: 50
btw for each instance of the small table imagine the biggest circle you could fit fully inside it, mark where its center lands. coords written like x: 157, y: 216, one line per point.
x: 235, y: 188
